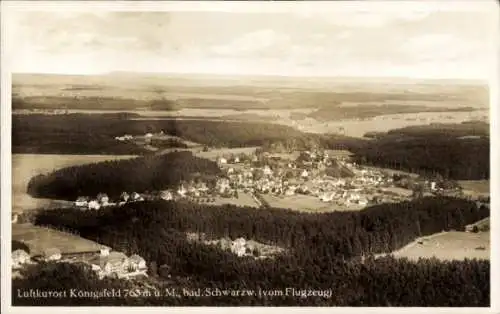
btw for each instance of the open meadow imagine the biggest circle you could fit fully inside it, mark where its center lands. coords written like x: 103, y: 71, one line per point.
x: 38, y: 239
x: 26, y: 166
x: 305, y: 203
x: 243, y: 199
x: 453, y: 245
x: 219, y: 152
x: 475, y: 187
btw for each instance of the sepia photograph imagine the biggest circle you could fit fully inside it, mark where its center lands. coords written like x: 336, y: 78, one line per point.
x: 264, y: 154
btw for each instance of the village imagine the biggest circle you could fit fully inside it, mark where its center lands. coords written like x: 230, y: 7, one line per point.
x: 325, y: 178
x: 102, y: 260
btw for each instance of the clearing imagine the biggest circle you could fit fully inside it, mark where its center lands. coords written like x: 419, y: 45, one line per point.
x: 219, y: 152
x: 26, y: 166
x: 38, y: 239
x: 244, y: 199
x: 305, y: 203
x: 453, y: 245
x: 475, y: 187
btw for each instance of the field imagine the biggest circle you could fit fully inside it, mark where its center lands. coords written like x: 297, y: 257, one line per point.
x: 475, y: 187
x: 382, y: 123
x: 244, y: 199
x: 25, y: 166
x: 449, y: 246
x: 214, y: 153
x: 305, y: 203
x: 38, y: 239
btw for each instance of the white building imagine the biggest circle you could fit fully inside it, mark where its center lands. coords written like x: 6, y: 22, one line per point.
x: 137, y: 263
x: 81, y: 202
x: 363, y: 202
x: 182, y: 191
x: 124, y: 196
x: 222, y: 161
x: 304, y: 174
x: 238, y: 247
x: 166, y: 195
x: 94, y: 204
x: 103, y: 199
x: 52, y: 254
x: 136, y: 197
x: 104, y: 251
x: 19, y: 258
x: 267, y: 170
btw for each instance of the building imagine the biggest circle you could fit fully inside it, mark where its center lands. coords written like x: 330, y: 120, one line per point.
x: 222, y: 161
x: 124, y: 196
x: 94, y: 204
x: 238, y: 247
x: 166, y: 196
x: 267, y: 171
x: 137, y: 263
x: 19, y: 258
x: 82, y: 201
x: 182, y: 191
x: 104, y: 251
x: 103, y: 199
x: 114, y: 262
x: 51, y: 254
x: 136, y: 197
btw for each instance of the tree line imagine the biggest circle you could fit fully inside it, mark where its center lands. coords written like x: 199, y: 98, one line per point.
x: 424, y: 149
x: 148, y: 173
x: 321, y: 250
x: 443, y: 149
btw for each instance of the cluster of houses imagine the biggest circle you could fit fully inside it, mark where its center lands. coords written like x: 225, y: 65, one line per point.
x: 117, y: 264
x: 240, y: 246
x: 188, y: 189
x: 315, y: 173
x: 106, y: 263
x: 102, y: 200
x: 146, y: 137
x: 308, y: 174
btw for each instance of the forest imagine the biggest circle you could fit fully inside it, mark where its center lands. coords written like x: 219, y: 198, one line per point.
x: 444, y: 149
x: 366, y: 111
x: 90, y: 103
x: 94, y: 133
x: 322, y: 251
x: 148, y: 173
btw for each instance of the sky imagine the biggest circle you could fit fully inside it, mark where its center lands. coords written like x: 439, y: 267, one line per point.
x: 415, y: 43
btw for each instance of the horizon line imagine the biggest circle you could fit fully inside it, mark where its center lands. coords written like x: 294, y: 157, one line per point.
x: 249, y: 75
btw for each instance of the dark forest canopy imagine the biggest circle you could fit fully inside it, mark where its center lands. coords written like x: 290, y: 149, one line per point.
x: 455, y: 151
x: 427, y: 282
x: 86, y: 133
x: 447, y: 149
x: 364, y: 111
x: 91, y: 103
x: 319, y: 249
x: 377, y: 229
x: 149, y: 173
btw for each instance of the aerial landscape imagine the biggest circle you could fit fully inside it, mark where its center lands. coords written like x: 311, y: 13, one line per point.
x: 136, y: 186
